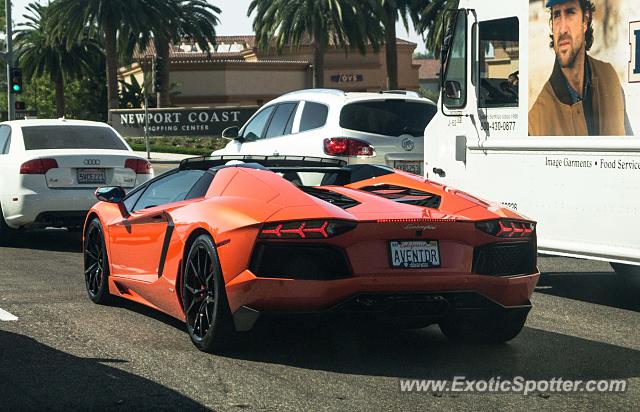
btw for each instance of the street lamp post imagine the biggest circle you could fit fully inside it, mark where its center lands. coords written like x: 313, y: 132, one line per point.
x: 8, y: 57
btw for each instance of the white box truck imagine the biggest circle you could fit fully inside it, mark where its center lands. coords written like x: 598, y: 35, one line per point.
x: 539, y: 105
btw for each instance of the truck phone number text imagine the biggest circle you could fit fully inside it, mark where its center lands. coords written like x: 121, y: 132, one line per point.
x: 497, y: 126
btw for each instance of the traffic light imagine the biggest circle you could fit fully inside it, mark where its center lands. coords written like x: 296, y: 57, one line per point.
x: 158, y: 63
x: 16, y: 80
x: 20, y: 105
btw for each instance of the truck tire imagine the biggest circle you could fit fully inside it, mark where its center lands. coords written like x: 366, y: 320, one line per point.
x: 629, y: 274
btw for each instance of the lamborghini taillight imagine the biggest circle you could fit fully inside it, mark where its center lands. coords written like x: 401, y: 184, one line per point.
x: 305, y: 229
x: 507, y: 228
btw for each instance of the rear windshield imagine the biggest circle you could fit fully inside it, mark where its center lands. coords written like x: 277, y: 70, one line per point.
x: 388, y: 117
x: 70, y: 137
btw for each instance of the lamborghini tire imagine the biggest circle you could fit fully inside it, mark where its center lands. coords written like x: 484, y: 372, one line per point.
x: 96, y: 264
x: 204, y: 298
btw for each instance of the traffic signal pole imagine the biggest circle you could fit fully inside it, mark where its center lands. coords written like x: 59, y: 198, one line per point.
x: 9, y: 60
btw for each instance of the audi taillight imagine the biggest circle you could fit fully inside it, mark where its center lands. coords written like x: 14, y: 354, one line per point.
x: 343, y: 146
x: 306, y: 229
x: 507, y: 228
x: 38, y: 166
x: 140, y: 166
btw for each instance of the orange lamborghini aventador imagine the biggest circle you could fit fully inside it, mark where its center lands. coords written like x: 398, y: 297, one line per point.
x: 222, y: 241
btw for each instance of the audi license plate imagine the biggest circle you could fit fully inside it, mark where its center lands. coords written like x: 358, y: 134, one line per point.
x: 414, y: 254
x: 411, y: 167
x: 92, y: 176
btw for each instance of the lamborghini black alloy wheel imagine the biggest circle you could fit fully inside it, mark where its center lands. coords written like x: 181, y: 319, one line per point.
x: 94, y: 260
x: 96, y: 264
x: 199, y: 291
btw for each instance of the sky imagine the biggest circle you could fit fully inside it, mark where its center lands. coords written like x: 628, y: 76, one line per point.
x: 233, y: 19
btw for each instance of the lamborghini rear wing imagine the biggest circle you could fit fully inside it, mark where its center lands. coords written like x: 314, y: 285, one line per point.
x: 208, y: 162
x: 337, y: 172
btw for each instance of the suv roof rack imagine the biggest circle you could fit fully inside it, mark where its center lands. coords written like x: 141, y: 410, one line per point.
x: 402, y: 92
x: 334, y: 92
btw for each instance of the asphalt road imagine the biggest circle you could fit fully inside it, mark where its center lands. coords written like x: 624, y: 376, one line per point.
x: 67, y: 353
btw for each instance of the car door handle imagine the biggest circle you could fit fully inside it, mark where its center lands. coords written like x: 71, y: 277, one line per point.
x: 439, y: 172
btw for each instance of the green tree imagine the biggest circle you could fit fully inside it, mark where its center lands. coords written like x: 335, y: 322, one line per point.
x: 433, y: 21
x: 423, y: 55
x: 131, y: 94
x: 71, y: 19
x: 343, y: 23
x: 3, y: 17
x: 196, y: 20
x: 40, y: 54
x: 84, y: 98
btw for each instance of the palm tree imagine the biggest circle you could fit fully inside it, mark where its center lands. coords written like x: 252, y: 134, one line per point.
x: 72, y: 18
x: 323, y: 22
x: 433, y: 21
x: 131, y: 94
x: 196, y: 19
x: 3, y: 20
x: 389, y: 11
x: 39, y: 54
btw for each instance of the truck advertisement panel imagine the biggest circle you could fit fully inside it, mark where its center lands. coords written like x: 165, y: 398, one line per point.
x: 584, y: 68
x: 569, y: 67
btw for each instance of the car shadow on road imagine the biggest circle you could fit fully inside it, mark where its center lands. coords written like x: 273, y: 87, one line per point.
x: 54, y: 240
x: 367, y: 349
x: 35, y: 376
x: 427, y: 354
x: 602, y: 288
x: 149, y: 312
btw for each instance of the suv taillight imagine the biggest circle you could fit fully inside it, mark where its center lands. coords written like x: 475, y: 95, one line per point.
x: 38, y: 166
x: 311, y: 229
x: 507, y: 228
x: 140, y: 166
x: 344, y: 146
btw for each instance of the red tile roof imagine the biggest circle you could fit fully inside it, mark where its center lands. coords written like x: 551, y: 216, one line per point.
x: 243, y: 46
x: 247, y: 42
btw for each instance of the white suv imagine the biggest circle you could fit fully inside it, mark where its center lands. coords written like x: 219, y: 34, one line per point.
x: 382, y: 128
x: 50, y: 169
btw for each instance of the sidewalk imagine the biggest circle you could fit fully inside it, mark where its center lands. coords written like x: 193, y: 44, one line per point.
x: 165, y: 158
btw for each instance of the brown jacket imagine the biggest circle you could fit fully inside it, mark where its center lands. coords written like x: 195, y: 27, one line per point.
x: 553, y: 114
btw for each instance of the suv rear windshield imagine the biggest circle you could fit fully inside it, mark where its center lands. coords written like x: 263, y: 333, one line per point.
x: 388, y: 117
x: 70, y: 137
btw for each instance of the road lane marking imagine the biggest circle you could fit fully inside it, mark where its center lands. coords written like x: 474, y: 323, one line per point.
x: 6, y: 316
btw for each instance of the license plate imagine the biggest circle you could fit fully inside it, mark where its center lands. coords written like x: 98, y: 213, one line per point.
x: 411, y: 167
x: 414, y: 254
x: 92, y: 176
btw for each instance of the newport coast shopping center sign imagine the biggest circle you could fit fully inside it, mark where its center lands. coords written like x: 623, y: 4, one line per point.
x: 180, y: 121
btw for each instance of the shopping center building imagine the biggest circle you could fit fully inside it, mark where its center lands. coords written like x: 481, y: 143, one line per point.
x: 236, y: 73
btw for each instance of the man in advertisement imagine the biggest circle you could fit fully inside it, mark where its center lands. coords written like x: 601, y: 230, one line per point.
x: 583, y: 96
